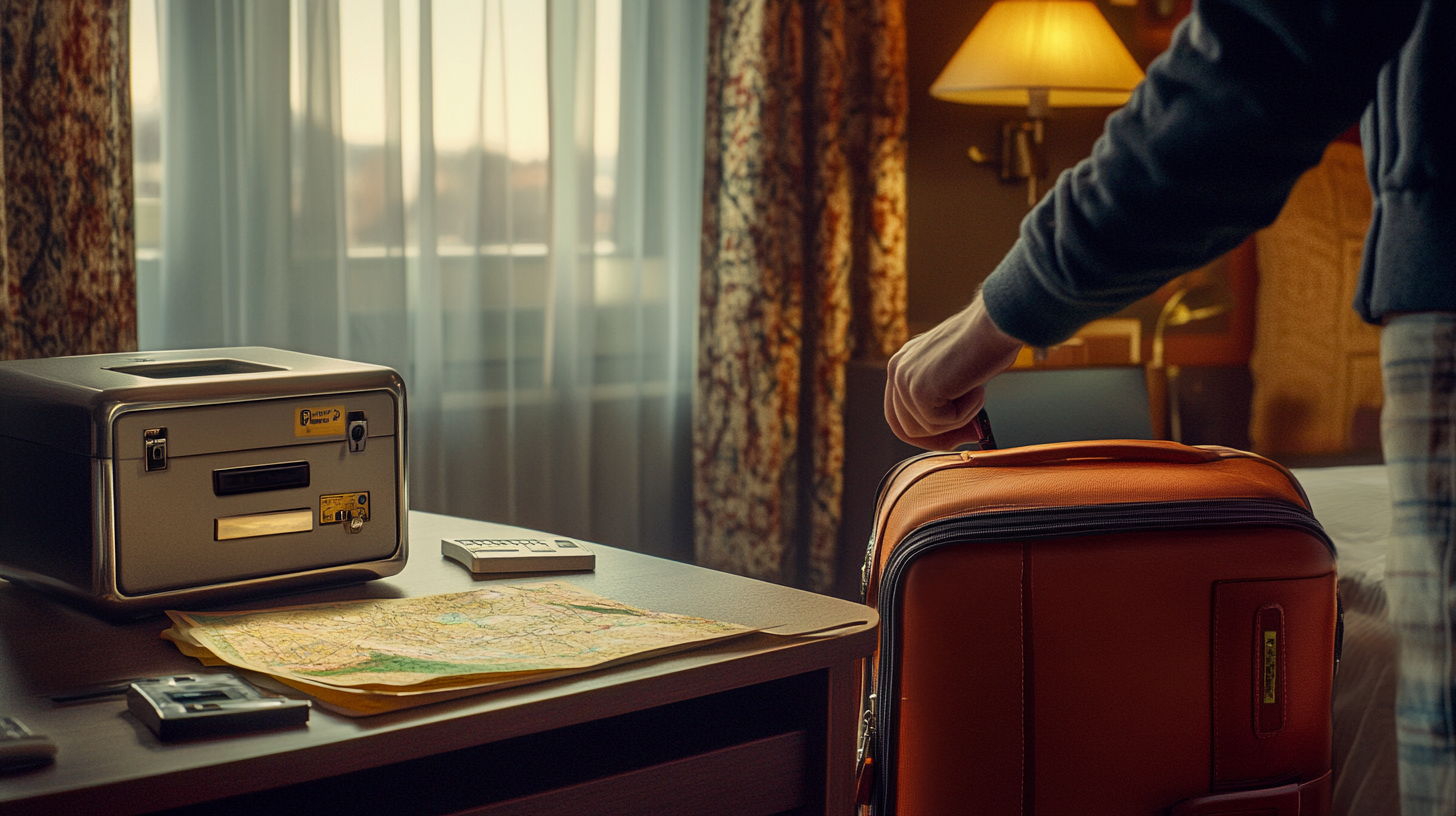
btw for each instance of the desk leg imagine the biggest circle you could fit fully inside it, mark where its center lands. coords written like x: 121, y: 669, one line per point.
x: 840, y: 738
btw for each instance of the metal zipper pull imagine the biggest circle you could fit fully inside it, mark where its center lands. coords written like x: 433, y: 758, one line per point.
x: 864, y: 763
x: 866, y: 570
x: 866, y: 734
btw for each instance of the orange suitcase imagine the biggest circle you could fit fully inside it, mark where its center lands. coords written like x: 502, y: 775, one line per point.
x: 1121, y: 627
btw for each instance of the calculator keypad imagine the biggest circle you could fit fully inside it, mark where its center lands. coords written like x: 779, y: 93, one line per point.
x: 514, y: 544
x: 518, y: 554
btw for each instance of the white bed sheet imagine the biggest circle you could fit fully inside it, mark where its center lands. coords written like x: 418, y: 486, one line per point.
x: 1353, y: 505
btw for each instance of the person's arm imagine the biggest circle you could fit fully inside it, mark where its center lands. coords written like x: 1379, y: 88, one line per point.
x: 1244, y: 101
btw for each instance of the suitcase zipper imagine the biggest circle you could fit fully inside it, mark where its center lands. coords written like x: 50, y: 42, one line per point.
x: 863, y: 758
x: 878, y: 736
x: 956, y: 458
x: 868, y: 567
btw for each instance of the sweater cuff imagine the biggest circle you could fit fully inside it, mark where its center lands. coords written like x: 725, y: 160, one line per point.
x: 1020, y: 306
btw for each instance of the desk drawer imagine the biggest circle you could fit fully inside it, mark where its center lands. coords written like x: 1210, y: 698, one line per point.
x: 760, y: 777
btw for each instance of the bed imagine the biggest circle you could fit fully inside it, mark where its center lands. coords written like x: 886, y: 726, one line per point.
x: 1353, y: 505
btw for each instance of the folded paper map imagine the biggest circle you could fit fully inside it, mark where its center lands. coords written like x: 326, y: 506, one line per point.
x: 367, y: 657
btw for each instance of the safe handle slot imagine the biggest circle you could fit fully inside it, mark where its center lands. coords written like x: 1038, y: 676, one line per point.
x: 258, y: 478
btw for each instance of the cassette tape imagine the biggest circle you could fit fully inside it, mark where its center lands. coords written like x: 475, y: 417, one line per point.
x: 203, y: 705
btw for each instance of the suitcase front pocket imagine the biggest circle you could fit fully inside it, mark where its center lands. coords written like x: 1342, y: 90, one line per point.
x: 1271, y: 653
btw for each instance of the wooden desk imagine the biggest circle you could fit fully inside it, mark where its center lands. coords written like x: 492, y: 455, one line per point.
x: 760, y: 724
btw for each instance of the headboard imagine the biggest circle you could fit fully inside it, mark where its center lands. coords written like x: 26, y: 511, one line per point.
x: 1315, y: 364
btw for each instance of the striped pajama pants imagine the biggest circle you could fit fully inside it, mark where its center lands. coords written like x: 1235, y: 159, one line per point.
x: 1418, y: 433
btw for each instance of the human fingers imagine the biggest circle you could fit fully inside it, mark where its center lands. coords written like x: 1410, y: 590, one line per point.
x: 950, y: 440
x: 944, y: 440
x: 940, y: 428
x: 920, y: 399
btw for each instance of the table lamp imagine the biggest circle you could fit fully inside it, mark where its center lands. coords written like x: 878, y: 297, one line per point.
x: 1043, y: 54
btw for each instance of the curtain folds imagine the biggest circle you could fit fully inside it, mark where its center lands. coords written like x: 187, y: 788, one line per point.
x: 803, y: 268
x: 67, y: 261
x: 498, y: 198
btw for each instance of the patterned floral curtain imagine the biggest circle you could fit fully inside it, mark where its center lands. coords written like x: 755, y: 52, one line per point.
x: 67, y: 264
x: 803, y: 269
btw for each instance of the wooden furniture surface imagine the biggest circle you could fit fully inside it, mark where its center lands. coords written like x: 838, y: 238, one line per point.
x: 759, y: 724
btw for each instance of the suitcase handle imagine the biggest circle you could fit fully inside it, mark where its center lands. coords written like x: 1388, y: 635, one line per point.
x: 1137, y: 450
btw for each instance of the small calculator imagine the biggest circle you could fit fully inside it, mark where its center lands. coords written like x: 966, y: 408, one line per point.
x: 484, y: 556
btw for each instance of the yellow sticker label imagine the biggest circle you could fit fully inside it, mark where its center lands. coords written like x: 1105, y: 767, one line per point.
x: 1271, y: 662
x: 323, y: 420
x: 340, y: 507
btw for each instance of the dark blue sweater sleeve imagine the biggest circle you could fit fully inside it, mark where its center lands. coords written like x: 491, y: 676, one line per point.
x: 1243, y: 102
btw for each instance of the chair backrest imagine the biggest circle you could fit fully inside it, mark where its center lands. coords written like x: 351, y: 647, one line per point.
x: 1032, y: 406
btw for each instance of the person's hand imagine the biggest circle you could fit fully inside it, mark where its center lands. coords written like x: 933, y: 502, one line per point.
x: 934, y: 384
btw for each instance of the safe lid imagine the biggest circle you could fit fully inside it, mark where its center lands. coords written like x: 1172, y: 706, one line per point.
x: 71, y: 403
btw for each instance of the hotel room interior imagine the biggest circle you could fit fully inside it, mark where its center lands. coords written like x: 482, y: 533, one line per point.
x: 620, y: 368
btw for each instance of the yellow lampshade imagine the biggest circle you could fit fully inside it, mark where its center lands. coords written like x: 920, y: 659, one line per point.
x: 1023, y: 49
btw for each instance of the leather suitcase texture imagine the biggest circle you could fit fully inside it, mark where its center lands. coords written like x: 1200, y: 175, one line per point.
x: 1120, y: 627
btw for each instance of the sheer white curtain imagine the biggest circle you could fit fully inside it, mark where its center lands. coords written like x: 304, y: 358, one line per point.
x: 500, y: 199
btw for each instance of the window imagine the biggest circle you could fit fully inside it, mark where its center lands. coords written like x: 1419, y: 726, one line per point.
x: 499, y: 199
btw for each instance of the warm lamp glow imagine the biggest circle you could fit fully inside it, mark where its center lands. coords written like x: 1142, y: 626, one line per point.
x: 1041, y: 54
x: 1021, y: 46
